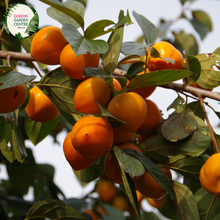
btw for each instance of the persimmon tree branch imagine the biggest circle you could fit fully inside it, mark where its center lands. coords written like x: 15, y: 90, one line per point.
x: 26, y: 57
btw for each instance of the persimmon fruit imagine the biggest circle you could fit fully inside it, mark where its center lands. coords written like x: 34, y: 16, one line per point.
x: 121, y: 136
x: 116, y: 84
x: 40, y: 108
x: 152, y: 120
x: 129, y: 107
x: 146, y: 91
x: 12, y: 98
x: 106, y: 190
x: 92, y: 213
x: 157, y: 203
x: 149, y: 187
x: 111, y: 167
x: 210, y: 176
x: 73, y: 65
x: 121, y: 202
x: 76, y: 160
x: 92, y: 136
x: 89, y: 90
x: 166, y: 50
x: 47, y: 44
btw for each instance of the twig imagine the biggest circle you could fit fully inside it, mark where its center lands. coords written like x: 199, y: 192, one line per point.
x: 26, y: 57
x: 215, y: 144
x: 8, y: 60
x: 36, y: 69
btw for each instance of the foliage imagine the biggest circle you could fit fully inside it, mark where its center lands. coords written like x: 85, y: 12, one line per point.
x: 182, y: 143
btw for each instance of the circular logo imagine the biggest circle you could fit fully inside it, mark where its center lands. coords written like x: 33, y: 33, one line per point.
x: 20, y: 20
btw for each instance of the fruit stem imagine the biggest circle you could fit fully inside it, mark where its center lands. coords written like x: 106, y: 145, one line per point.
x: 215, y: 144
x: 36, y: 69
x: 8, y: 60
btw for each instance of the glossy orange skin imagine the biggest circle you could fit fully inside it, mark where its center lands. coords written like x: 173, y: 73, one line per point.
x: 40, y: 108
x: 157, y: 203
x: 106, y: 190
x: 92, y: 136
x: 116, y: 84
x: 121, y: 136
x: 76, y: 160
x: 152, y: 120
x: 92, y: 213
x: 47, y: 45
x: 209, y: 175
x: 111, y: 168
x: 91, y: 89
x: 73, y: 66
x: 149, y: 187
x: 129, y: 107
x: 12, y: 98
x: 140, y: 197
x: 166, y: 50
x: 145, y: 92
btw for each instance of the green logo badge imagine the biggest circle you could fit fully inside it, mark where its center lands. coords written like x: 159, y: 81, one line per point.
x: 20, y: 20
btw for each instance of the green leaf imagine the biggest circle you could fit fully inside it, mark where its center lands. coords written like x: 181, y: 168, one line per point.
x: 186, y: 42
x: 12, y: 143
x: 130, y: 164
x: 61, y: 7
x: 14, y: 78
x: 133, y: 48
x: 110, y: 58
x: 134, y: 69
x: 178, y: 126
x: 208, y: 204
x: 112, y: 212
x: 89, y: 72
x: 185, y: 165
x: 63, y: 18
x: 186, y: 204
x: 149, y: 215
x: 61, y: 89
x: 130, y: 190
x: 201, y: 22
x: 194, y: 145
x: 89, y: 174
x: 148, y: 28
x: 5, y: 69
x: 53, y: 209
x: 96, y: 29
x: 197, y: 109
x: 37, y: 131
x: 156, y: 78
x: 155, y: 172
x: 192, y: 64
x: 82, y: 45
x: 178, y: 104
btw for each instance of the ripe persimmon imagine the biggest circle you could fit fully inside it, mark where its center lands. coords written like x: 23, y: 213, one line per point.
x: 145, y: 92
x: 157, y: 203
x: 47, y: 45
x: 92, y: 136
x: 89, y: 90
x: 116, y: 84
x: 12, y: 98
x: 111, y: 167
x: 149, y: 187
x: 121, y: 202
x: 76, y: 160
x: 209, y: 175
x: 152, y: 120
x: 40, y: 108
x: 166, y: 50
x: 129, y: 107
x: 73, y: 66
x: 121, y: 136
x: 106, y: 190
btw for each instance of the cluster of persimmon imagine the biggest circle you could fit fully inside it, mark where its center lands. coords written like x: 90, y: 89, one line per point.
x: 92, y: 136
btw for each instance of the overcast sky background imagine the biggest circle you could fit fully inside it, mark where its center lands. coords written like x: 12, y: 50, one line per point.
x: 47, y: 151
